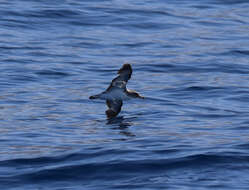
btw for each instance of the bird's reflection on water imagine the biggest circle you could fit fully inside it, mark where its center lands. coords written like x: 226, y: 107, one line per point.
x: 122, y: 124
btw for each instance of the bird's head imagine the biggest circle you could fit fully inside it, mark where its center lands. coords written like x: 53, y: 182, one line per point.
x: 134, y: 94
x: 125, y: 68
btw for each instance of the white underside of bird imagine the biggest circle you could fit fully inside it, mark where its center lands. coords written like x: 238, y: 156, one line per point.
x: 116, y: 94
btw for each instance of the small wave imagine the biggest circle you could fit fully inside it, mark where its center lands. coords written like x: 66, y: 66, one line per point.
x: 202, y: 88
x: 148, y: 25
x: 24, y: 78
x: 243, y: 52
x: 52, y: 13
x: 135, y: 45
x: 58, y: 169
x: 230, y: 2
x: 125, y: 11
x: 51, y: 73
x: 156, y: 67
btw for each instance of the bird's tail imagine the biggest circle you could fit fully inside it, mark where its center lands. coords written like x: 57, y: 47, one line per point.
x: 110, y: 113
x: 95, y: 96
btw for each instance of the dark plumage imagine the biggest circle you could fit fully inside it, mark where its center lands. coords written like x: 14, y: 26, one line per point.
x: 117, y: 92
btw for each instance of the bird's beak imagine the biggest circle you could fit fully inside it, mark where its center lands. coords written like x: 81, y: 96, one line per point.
x: 141, y: 97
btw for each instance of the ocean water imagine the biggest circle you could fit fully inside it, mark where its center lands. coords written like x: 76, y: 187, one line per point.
x: 190, y: 60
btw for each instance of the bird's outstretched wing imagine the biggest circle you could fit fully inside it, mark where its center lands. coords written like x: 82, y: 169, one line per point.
x: 124, y: 74
x: 114, y: 107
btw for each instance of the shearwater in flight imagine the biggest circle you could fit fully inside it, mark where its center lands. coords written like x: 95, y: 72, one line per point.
x: 117, y: 92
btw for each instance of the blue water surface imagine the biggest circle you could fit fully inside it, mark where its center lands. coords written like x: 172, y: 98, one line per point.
x: 190, y: 60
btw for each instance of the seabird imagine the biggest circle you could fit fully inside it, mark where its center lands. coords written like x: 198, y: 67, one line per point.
x: 117, y: 92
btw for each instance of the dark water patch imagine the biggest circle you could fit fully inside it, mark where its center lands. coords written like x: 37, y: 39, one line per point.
x: 118, y: 169
x: 241, y: 91
x: 30, y: 120
x: 76, y: 62
x: 55, y: 13
x: 12, y: 23
x: 161, y: 65
x: 165, y: 67
x: 212, y: 116
x: 234, y: 68
x: 42, y: 160
x: 91, y: 20
x: 230, y: 2
x: 103, y: 70
x: 24, y: 78
x: 47, y: 54
x: 244, y: 146
x: 242, y: 52
x: 203, y: 6
x: 180, y: 69
x: 195, y: 67
x: 12, y: 13
x: 14, y: 102
x: 212, y: 23
x: 214, y: 38
x: 40, y: 54
x: 92, y: 45
x: 135, y: 45
x: 232, y: 53
x: 16, y: 47
x: 168, y: 151
x: 86, y: 23
x: 53, y: 73
x: 133, y: 11
x: 239, y: 98
x: 18, y: 61
x: 42, y: 13
x: 203, y: 88
x: 161, y: 101
x: 147, y: 25
x: 244, y: 125
x: 80, y: 38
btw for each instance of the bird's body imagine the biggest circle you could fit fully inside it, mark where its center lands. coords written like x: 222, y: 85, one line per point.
x: 117, y: 92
